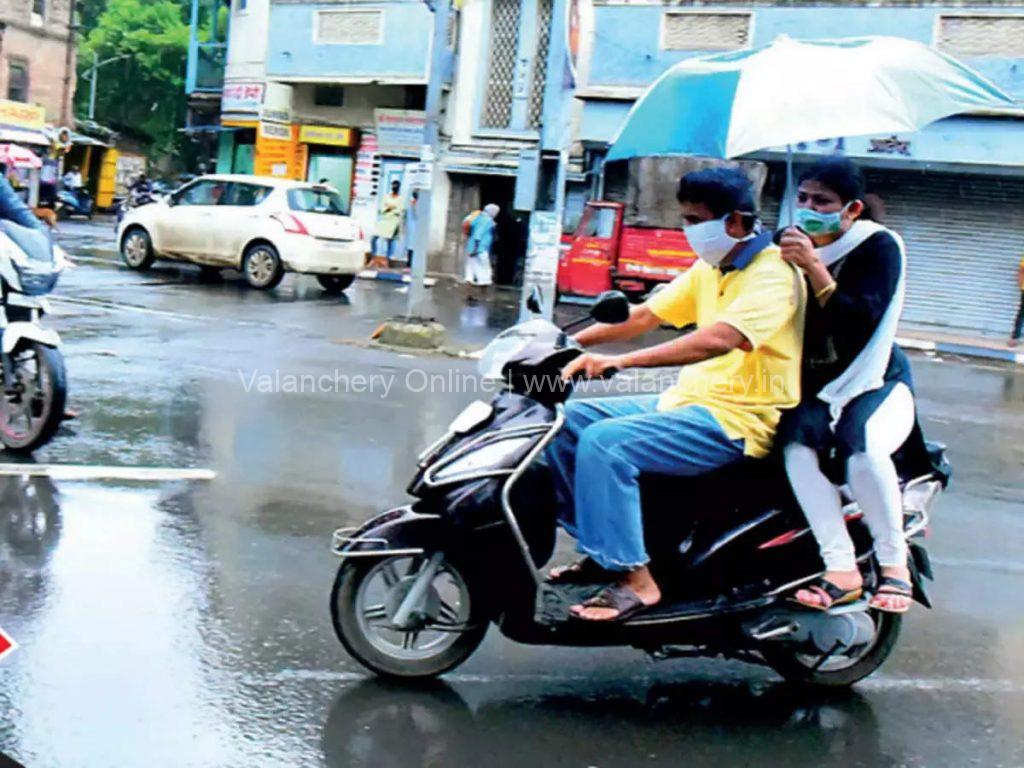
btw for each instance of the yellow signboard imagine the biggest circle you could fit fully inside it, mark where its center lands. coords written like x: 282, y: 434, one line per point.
x: 327, y: 134
x: 21, y: 115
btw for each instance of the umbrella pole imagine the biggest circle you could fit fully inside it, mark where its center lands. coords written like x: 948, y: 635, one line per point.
x: 787, y: 205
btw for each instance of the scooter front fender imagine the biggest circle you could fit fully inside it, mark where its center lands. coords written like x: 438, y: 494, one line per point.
x: 399, y: 531
x: 16, y: 333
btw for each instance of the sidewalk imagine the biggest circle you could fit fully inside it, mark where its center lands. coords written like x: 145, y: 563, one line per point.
x: 934, y: 340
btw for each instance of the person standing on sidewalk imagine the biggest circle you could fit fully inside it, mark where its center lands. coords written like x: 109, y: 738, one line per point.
x: 1018, y: 324
x: 389, y: 220
x: 478, y: 249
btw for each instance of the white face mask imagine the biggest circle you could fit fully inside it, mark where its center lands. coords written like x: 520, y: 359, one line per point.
x: 710, y: 241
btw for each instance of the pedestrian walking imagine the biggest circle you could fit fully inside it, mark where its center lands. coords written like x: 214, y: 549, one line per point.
x: 389, y: 220
x: 1018, y: 324
x: 480, y: 229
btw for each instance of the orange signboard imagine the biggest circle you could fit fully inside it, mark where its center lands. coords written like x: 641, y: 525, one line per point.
x: 277, y: 152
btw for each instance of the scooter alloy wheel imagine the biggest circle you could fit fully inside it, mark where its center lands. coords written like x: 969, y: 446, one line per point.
x: 439, y: 636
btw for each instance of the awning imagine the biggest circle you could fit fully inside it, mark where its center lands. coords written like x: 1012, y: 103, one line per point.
x: 86, y: 141
x: 23, y: 135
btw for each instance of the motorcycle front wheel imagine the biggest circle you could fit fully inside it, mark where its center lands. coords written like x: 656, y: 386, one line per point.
x: 365, y: 598
x: 33, y: 399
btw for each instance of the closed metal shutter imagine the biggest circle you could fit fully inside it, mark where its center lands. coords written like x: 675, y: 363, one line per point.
x: 965, y: 239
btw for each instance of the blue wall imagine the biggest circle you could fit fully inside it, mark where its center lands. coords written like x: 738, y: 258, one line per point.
x: 403, y: 52
x: 626, y: 53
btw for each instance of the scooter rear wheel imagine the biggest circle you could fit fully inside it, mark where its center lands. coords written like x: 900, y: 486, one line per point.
x: 840, y: 671
x: 365, y: 597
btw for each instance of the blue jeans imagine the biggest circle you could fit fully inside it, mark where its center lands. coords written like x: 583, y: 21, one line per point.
x: 598, y: 458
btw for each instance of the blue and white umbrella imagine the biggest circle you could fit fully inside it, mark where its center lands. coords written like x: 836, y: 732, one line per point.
x: 793, y: 91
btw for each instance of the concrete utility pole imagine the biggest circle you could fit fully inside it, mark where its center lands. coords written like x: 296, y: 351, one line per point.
x: 94, y: 76
x: 431, y: 148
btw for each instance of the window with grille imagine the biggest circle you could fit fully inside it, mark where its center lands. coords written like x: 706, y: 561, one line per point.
x: 981, y: 35
x: 17, y: 80
x: 348, y: 27
x: 687, y: 31
x: 497, y: 111
x: 540, y: 62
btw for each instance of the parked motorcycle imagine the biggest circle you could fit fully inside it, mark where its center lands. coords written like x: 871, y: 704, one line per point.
x: 34, y: 378
x: 419, y: 585
x: 73, y: 202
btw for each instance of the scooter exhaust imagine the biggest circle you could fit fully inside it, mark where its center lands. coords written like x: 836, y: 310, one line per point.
x: 841, y: 629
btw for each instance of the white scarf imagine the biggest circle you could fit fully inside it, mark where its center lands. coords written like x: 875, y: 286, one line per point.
x: 867, y: 371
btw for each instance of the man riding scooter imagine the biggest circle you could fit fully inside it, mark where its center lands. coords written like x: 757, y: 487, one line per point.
x: 741, y: 368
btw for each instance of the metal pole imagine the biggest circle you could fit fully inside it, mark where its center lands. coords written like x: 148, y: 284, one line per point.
x: 439, y: 54
x: 92, y: 85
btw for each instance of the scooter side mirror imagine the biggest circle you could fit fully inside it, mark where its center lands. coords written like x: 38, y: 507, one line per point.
x: 611, y: 307
x: 534, y: 302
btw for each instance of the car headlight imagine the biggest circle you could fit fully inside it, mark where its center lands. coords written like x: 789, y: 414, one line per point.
x: 491, y: 457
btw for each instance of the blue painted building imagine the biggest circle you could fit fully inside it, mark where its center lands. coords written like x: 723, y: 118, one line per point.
x: 950, y: 189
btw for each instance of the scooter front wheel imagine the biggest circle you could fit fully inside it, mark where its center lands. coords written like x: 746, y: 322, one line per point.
x: 32, y: 408
x: 442, y: 631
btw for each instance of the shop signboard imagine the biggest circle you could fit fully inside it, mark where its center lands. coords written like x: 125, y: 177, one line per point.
x: 542, y: 257
x: 327, y: 134
x: 399, y: 130
x: 20, y: 115
x: 241, y: 97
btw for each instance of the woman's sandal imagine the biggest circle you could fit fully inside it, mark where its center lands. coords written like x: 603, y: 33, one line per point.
x: 617, y: 597
x: 582, y: 572
x: 829, y: 595
x: 890, y: 587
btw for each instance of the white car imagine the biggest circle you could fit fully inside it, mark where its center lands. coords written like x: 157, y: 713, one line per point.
x: 261, y: 226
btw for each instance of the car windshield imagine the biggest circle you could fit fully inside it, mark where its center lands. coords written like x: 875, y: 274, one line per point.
x: 316, y: 201
x: 512, y: 341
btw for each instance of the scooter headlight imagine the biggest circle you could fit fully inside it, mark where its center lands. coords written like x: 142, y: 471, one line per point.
x: 492, y: 457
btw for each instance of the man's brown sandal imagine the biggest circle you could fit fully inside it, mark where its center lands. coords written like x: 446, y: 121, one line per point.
x: 829, y: 595
x: 617, y: 597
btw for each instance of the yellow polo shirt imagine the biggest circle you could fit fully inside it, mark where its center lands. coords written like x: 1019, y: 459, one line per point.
x: 745, y: 391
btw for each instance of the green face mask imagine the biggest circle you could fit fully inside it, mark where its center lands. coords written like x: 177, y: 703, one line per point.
x: 815, y: 223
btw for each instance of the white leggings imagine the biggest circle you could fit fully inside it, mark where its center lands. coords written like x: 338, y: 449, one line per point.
x: 872, y: 478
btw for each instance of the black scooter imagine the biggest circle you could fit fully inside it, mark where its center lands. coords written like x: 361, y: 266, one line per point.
x: 419, y: 585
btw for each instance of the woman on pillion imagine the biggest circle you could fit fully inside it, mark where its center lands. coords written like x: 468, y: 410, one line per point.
x: 857, y: 388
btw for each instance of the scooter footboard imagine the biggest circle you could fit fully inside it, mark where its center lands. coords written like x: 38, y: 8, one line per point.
x: 400, y: 531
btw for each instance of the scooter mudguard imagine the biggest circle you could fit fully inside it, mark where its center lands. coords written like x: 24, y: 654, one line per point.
x: 401, y: 531
x: 920, y: 568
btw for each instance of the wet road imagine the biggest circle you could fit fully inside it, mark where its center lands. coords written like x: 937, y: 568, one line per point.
x: 185, y: 623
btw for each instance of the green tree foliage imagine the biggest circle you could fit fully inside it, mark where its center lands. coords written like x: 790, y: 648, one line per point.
x: 146, y: 90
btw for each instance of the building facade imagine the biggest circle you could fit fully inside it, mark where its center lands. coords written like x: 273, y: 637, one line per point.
x: 938, y: 185
x: 535, y: 91
x: 37, y: 46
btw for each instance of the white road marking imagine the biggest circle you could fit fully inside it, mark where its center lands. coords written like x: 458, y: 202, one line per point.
x: 83, y: 472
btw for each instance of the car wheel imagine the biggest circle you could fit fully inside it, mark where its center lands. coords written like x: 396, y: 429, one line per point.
x: 262, y: 266
x: 335, y: 283
x: 137, y: 249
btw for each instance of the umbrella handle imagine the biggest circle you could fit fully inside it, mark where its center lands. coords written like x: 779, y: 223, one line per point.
x: 787, y: 217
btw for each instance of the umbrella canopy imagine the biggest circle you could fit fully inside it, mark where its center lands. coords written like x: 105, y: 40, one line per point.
x: 791, y: 91
x: 19, y: 157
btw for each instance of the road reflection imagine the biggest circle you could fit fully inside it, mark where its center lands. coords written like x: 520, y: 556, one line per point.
x: 698, y: 722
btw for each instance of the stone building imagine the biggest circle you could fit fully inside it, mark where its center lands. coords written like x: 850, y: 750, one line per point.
x: 37, y: 56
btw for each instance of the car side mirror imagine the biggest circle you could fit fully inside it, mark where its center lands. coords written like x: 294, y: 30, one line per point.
x: 534, y: 302
x: 611, y: 307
